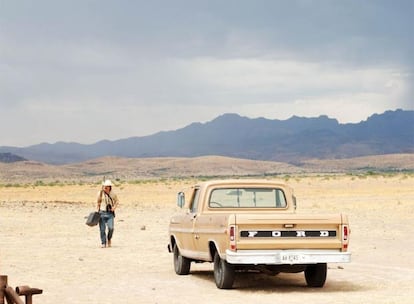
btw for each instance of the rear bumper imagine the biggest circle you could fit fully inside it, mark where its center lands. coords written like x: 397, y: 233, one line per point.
x: 287, y: 257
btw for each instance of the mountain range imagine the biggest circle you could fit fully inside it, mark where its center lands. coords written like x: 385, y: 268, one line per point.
x: 231, y: 135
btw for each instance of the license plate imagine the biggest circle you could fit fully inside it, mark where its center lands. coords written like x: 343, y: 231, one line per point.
x: 291, y: 258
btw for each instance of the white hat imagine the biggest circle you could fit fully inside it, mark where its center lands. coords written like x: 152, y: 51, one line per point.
x: 107, y: 183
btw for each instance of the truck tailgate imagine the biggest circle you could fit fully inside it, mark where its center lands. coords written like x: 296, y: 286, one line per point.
x: 288, y: 231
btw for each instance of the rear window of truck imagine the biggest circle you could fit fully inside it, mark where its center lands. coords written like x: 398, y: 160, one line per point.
x: 247, y: 198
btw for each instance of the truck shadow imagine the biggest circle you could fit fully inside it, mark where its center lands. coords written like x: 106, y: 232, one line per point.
x: 284, y: 282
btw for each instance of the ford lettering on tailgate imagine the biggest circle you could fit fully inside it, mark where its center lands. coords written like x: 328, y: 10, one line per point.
x: 284, y: 233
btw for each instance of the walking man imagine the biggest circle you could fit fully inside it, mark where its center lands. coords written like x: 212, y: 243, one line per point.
x: 107, y: 203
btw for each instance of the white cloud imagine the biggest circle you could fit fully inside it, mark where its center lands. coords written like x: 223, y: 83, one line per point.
x: 170, y: 94
x: 255, y: 81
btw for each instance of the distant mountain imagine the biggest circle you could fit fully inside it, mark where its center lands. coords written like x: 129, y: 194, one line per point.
x: 10, y: 158
x: 291, y: 140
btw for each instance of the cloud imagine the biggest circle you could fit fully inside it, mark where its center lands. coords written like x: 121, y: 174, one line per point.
x: 159, y: 65
x: 277, y: 81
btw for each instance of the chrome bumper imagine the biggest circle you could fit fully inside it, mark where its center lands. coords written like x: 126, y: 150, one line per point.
x: 287, y: 257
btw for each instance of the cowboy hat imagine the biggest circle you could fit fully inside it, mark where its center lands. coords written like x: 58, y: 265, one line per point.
x: 107, y: 183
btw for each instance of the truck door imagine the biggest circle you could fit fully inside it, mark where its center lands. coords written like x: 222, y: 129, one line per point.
x: 189, y: 223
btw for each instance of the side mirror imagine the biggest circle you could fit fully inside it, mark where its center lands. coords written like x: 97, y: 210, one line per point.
x: 180, y: 199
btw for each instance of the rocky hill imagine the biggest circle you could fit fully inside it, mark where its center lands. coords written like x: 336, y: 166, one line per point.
x: 134, y: 169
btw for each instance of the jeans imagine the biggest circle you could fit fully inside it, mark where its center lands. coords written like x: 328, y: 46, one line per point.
x: 107, y: 219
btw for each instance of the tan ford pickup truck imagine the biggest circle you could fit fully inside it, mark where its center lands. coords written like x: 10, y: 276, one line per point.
x: 244, y: 225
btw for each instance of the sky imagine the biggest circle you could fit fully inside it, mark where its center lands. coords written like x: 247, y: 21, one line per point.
x: 87, y: 70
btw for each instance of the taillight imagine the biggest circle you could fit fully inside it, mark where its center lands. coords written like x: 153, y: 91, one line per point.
x: 345, y: 233
x: 232, y: 234
x: 232, y: 237
x: 345, y: 237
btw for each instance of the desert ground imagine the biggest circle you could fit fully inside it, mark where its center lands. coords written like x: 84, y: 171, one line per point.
x: 45, y: 243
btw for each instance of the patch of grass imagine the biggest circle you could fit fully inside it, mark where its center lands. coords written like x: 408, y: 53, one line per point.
x: 13, y: 185
x: 39, y: 183
x: 56, y: 183
x: 106, y: 173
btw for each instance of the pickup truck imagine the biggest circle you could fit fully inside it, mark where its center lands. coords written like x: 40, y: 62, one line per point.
x: 241, y: 225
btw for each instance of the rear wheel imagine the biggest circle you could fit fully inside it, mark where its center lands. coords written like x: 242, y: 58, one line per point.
x: 181, y: 264
x: 315, y: 275
x: 223, y: 273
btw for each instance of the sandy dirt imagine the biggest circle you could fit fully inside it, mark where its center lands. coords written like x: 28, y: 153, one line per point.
x: 45, y: 243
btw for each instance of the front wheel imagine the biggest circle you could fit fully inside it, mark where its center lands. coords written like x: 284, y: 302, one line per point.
x: 223, y: 273
x: 315, y: 275
x: 181, y: 264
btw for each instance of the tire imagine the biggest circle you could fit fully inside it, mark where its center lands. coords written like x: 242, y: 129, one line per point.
x: 223, y: 273
x: 315, y: 275
x: 181, y: 264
